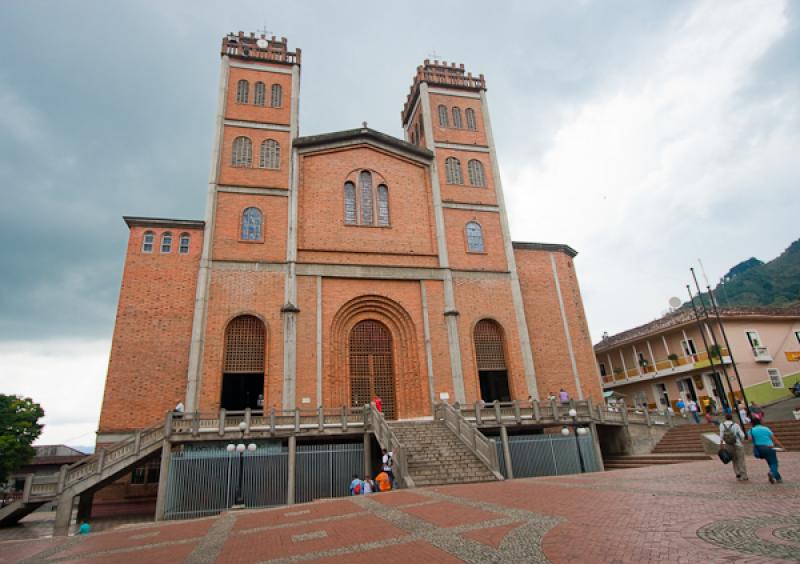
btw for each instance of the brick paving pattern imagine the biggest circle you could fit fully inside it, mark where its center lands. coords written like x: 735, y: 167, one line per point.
x: 693, y: 512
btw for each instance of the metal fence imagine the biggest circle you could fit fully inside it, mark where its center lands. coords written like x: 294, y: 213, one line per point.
x: 547, y: 455
x: 203, y: 482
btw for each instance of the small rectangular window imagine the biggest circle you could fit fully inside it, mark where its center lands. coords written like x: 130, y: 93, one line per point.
x: 153, y: 472
x: 775, y: 377
x: 688, y: 347
x: 184, y: 245
x: 754, y: 339
x: 138, y: 475
x: 166, y: 243
x: 147, y: 242
x: 603, y: 369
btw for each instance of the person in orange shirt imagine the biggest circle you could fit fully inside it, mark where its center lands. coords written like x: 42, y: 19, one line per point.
x: 383, y: 482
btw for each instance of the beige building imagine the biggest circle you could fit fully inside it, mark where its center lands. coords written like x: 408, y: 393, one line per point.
x: 668, y: 359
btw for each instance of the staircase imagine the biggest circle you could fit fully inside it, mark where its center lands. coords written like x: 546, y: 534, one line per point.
x: 686, y: 439
x: 435, y: 455
x: 788, y: 432
x: 622, y: 462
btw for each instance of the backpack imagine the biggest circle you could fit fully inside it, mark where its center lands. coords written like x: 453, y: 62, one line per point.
x: 357, y: 489
x: 728, y: 434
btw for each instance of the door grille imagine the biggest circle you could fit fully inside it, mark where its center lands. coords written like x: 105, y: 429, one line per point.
x: 244, y: 345
x: 372, y: 366
x: 488, y: 339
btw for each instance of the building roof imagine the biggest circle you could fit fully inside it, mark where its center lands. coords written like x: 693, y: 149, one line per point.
x: 552, y: 247
x: 686, y: 315
x: 163, y: 222
x: 363, y: 134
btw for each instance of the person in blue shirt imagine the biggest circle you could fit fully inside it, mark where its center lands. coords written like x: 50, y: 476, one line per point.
x: 356, y: 486
x: 84, y: 528
x: 764, y: 442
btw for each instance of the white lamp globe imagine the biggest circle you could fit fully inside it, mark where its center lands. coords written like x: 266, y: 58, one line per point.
x: 564, y: 431
x: 240, y: 447
x: 582, y: 430
x: 242, y: 426
x: 251, y: 447
x: 230, y: 448
x: 572, y: 412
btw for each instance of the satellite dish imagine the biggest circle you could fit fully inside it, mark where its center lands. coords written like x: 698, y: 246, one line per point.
x: 675, y: 303
x: 262, y: 43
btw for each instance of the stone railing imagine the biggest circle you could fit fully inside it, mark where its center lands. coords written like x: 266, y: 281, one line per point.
x: 534, y: 411
x: 483, y: 447
x: 388, y: 440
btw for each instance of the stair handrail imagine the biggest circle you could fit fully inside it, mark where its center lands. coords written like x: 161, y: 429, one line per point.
x: 387, y: 438
x: 469, y: 434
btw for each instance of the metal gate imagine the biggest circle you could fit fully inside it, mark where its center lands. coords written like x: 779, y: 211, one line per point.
x: 372, y: 366
x: 548, y: 455
x: 203, y: 481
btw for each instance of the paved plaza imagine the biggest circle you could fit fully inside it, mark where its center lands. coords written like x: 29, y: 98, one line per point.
x: 694, y: 512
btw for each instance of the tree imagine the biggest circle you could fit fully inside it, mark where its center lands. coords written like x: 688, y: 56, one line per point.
x: 19, y: 427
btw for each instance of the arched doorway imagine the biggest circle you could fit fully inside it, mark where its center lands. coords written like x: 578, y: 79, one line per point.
x: 372, y: 366
x: 243, y: 366
x: 491, y: 361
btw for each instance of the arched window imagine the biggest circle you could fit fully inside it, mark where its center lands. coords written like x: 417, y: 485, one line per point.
x: 258, y: 94
x: 277, y: 96
x: 383, y: 205
x: 242, y: 91
x: 251, y: 224
x: 365, y: 188
x: 242, y: 155
x: 244, y: 346
x: 457, y: 118
x: 488, y: 340
x: 474, y: 237
x: 476, y: 176
x: 453, y: 168
x: 270, y: 154
x: 471, y: 123
x: 350, y: 214
x: 443, y: 116
x: 183, y: 245
x: 166, y: 242
x: 147, y: 242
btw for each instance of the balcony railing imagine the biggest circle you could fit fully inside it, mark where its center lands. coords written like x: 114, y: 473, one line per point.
x: 665, y: 366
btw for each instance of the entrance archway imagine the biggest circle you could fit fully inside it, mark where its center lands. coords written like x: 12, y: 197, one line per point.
x: 243, y: 366
x: 372, y: 366
x: 491, y: 360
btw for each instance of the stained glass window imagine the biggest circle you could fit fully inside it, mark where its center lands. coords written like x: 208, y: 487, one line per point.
x: 251, y: 224
x: 350, y: 216
x: 383, y: 205
x: 474, y: 237
x: 365, y: 187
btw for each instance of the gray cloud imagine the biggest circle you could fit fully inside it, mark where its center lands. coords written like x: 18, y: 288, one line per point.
x: 107, y: 109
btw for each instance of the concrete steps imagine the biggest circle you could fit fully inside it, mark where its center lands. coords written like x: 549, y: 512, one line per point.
x: 687, y: 438
x: 13, y: 512
x: 436, y: 456
x: 640, y: 461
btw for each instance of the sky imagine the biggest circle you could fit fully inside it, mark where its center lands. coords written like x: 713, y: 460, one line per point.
x: 644, y: 134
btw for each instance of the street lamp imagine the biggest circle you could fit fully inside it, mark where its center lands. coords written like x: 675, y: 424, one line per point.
x: 240, y: 448
x: 578, y: 431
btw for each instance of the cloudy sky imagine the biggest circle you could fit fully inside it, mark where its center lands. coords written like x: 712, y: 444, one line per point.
x: 644, y: 134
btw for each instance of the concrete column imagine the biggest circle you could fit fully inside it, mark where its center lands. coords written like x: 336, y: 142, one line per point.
x: 163, y: 476
x: 564, y: 321
x: 506, y: 453
x: 63, y: 514
x: 598, y: 453
x: 292, y: 471
x: 426, y: 334
x: 319, y: 341
x: 367, y: 454
x: 85, y: 501
x: 203, y: 273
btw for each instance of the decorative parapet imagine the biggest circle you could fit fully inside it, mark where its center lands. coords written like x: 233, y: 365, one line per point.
x: 261, y: 48
x: 441, y: 74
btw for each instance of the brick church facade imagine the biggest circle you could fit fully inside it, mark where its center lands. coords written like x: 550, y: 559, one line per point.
x: 332, y: 268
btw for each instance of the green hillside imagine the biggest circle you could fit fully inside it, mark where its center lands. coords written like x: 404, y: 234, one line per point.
x: 755, y: 283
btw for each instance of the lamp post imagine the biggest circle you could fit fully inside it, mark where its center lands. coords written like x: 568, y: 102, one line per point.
x: 240, y: 448
x: 578, y: 431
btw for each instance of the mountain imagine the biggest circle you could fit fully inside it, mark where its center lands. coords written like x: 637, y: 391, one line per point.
x: 756, y: 283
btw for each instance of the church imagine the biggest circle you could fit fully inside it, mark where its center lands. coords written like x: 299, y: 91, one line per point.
x: 335, y: 268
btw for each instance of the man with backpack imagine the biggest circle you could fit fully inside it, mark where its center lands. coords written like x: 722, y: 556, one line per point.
x: 730, y: 438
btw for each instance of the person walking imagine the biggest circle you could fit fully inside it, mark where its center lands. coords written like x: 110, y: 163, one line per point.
x: 764, y: 442
x: 378, y: 403
x: 563, y: 396
x: 756, y: 413
x: 693, y: 409
x: 730, y: 438
x: 387, y: 464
